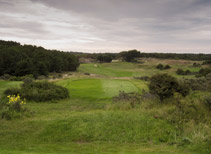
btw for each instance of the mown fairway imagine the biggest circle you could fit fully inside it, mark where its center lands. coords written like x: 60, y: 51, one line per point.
x: 146, y: 67
x: 86, y: 123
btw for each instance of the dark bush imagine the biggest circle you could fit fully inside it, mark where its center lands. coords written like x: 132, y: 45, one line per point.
x: 187, y: 72
x: 201, y: 84
x: 129, y: 56
x: 196, y: 64
x: 183, y: 88
x: 180, y: 71
x: 104, y: 58
x: 160, y: 66
x: 164, y: 86
x: 204, y: 71
x: 207, y: 62
x: 40, y: 91
x: 12, y: 91
x: 167, y: 67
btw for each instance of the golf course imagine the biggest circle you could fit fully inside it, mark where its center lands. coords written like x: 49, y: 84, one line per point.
x: 90, y: 121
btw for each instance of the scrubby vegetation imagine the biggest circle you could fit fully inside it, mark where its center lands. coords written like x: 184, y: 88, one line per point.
x: 13, y: 107
x: 165, y: 86
x: 104, y: 58
x: 182, y: 72
x: 39, y: 91
x: 162, y: 67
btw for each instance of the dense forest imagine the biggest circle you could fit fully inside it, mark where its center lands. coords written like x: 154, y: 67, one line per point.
x: 20, y: 60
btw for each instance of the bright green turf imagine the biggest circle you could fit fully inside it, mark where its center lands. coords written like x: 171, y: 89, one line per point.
x: 97, y: 88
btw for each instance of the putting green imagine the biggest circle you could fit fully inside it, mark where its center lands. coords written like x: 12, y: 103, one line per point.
x: 97, y: 88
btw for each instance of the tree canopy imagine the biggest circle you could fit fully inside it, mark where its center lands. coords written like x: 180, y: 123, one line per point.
x: 20, y: 60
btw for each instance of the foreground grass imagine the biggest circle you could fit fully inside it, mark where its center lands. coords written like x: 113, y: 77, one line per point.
x: 64, y: 127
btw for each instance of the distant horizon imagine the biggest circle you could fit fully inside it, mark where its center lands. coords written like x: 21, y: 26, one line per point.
x: 96, y: 26
x: 142, y: 51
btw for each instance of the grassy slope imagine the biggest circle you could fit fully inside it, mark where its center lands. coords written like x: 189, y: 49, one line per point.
x: 82, y: 124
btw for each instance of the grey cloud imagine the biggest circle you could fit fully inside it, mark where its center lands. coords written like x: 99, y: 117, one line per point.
x: 110, y: 23
x: 5, y: 3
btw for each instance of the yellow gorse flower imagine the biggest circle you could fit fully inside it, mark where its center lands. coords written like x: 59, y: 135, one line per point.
x: 16, y: 99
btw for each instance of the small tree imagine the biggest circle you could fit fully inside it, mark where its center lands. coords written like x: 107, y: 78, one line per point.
x: 180, y: 71
x: 160, y: 66
x: 167, y: 67
x: 163, y: 85
x: 104, y: 58
x: 129, y: 56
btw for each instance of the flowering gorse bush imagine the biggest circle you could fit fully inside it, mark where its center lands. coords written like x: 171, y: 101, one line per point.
x: 14, y: 108
x: 15, y: 102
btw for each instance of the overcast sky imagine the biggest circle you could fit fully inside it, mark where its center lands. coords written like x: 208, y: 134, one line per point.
x: 109, y: 25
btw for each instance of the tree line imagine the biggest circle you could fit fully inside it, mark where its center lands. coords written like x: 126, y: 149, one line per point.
x: 20, y: 60
x: 131, y: 55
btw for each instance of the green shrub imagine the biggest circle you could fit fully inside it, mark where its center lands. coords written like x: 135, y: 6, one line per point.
x: 196, y: 64
x: 43, y: 91
x: 167, y: 67
x: 39, y: 91
x: 160, y: 66
x: 183, y: 89
x: 207, y: 62
x: 13, y: 108
x: 12, y: 91
x: 164, y: 86
x: 201, y: 84
x: 187, y: 72
x: 204, y: 71
x: 180, y: 71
